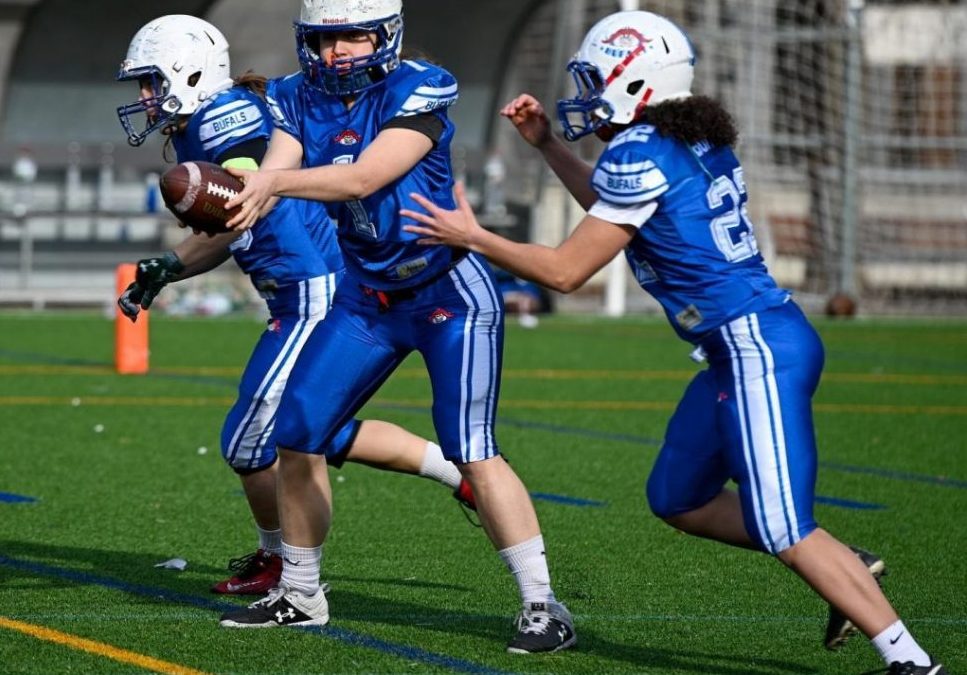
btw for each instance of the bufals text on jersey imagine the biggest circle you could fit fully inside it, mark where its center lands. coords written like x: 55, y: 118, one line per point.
x: 694, y: 249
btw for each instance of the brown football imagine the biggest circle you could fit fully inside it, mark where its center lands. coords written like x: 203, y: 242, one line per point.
x: 196, y: 193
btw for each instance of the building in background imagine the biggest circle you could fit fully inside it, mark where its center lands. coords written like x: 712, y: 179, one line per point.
x: 852, y: 114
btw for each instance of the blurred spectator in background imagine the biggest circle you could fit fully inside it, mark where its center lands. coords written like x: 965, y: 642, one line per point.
x: 521, y: 297
x: 24, y: 170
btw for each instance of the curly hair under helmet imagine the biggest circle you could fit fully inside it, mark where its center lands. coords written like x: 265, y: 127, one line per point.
x: 692, y: 119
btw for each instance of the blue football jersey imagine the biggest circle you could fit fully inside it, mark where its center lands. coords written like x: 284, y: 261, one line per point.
x: 695, y: 250
x: 296, y: 241
x: 376, y: 249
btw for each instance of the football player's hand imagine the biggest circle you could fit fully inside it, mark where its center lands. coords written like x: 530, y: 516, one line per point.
x: 130, y: 301
x: 527, y: 114
x: 457, y: 228
x: 256, y: 199
x: 152, y: 275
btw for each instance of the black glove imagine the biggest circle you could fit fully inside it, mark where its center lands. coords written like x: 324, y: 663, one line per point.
x: 152, y: 275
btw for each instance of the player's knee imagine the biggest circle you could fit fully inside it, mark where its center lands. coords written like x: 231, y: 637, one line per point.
x: 787, y: 548
x: 245, y: 463
x: 243, y: 457
x: 248, y: 471
x: 660, y: 499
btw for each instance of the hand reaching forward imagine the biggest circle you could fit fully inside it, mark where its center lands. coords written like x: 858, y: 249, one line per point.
x: 256, y: 199
x: 457, y: 228
x: 527, y: 114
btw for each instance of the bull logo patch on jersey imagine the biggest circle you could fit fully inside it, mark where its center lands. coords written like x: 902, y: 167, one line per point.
x: 623, y: 42
x: 439, y: 316
x: 689, y: 317
x: 348, y: 137
x: 408, y: 268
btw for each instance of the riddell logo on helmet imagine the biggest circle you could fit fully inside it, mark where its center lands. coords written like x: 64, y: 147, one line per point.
x: 623, y: 41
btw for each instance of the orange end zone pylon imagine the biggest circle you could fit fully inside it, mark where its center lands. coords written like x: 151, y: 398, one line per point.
x: 130, y: 338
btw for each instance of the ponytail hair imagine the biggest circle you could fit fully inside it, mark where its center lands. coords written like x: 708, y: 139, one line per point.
x: 692, y: 119
x: 252, y: 81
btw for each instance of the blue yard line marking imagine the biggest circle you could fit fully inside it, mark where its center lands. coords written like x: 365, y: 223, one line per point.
x: 896, y: 475
x: 158, y: 593
x: 654, y: 442
x: 544, y: 496
x: 11, y: 498
x: 562, y: 499
x: 526, y: 424
x: 848, y: 503
x: 541, y: 426
x: 50, y: 359
x: 575, y: 431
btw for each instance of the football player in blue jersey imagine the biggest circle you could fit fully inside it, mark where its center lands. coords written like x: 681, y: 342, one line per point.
x: 371, y: 128
x: 669, y: 192
x: 182, y: 66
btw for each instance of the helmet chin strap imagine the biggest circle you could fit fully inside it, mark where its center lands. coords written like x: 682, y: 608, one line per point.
x: 643, y: 103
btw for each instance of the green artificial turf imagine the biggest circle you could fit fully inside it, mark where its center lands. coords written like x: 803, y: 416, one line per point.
x: 120, y: 484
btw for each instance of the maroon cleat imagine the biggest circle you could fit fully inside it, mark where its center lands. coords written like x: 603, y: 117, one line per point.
x: 255, y: 574
x: 468, y: 503
x: 464, y: 495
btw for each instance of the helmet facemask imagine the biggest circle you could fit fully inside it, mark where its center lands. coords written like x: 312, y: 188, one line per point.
x: 349, y: 76
x: 587, y: 112
x: 185, y: 60
x: 160, y: 110
x: 627, y: 61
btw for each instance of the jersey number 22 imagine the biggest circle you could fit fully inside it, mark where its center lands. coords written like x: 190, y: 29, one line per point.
x: 732, y: 232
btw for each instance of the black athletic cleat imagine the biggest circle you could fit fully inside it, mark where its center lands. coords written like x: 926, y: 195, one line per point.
x: 281, y: 607
x: 839, y: 629
x: 543, y: 627
x: 908, y: 668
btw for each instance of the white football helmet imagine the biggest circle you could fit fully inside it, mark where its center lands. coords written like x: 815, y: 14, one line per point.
x: 187, y: 62
x: 627, y: 61
x: 349, y: 76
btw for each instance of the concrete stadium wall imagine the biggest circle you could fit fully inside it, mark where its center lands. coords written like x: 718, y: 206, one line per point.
x: 60, y: 85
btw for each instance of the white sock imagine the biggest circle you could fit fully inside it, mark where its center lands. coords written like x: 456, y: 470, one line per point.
x: 300, y: 568
x: 439, y: 469
x: 270, y: 541
x: 896, y: 644
x: 528, y: 563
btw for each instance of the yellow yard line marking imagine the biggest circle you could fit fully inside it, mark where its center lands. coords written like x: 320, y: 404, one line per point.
x: 884, y: 378
x: 55, y: 370
x: 505, y: 404
x: 98, y: 648
x: 510, y: 373
x: 130, y: 401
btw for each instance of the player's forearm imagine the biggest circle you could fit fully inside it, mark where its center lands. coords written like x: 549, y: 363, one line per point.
x: 392, y: 154
x: 574, y: 172
x: 201, y: 253
x: 540, y: 264
x: 335, y: 183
